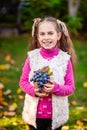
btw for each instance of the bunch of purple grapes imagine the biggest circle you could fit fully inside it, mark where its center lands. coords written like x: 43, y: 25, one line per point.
x: 41, y: 78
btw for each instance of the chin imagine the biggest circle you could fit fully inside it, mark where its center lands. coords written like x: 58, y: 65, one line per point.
x: 48, y: 48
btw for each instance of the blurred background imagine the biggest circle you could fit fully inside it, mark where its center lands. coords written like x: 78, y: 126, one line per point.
x: 16, y: 19
x: 19, y: 13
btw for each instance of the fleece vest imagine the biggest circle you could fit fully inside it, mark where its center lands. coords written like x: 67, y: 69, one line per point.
x: 58, y: 65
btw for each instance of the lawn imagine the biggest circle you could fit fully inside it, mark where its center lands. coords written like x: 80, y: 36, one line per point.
x: 13, y: 52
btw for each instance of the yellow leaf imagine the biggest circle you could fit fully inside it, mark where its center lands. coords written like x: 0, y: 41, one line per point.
x: 21, y: 97
x: 79, y: 123
x: 5, y: 103
x: 4, y: 66
x: 80, y: 128
x: 74, y: 102
x: 14, y: 104
x: 85, y: 84
x: 19, y: 90
x: 65, y: 128
x: 27, y: 127
x: 8, y: 57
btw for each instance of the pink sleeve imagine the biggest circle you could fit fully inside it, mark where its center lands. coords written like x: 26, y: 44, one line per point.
x: 68, y: 88
x: 24, y: 83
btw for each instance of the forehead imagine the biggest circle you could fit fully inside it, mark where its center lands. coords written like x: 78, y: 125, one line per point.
x: 47, y: 26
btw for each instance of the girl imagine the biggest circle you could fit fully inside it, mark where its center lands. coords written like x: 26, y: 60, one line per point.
x: 44, y: 111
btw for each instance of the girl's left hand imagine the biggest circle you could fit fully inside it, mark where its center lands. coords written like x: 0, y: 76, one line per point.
x: 48, y: 87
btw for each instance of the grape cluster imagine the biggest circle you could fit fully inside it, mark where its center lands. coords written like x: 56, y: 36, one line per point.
x: 41, y: 76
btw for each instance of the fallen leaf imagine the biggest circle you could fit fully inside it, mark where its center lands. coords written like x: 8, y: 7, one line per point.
x: 2, y: 128
x: 65, y: 128
x: 7, y: 92
x: 1, y: 114
x: 12, y: 108
x: 4, y: 79
x: 4, y: 66
x: 6, y: 113
x: 74, y: 102
x: 21, y: 97
x: 15, y: 123
x: 13, y: 62
x: 4, y: 103
x: 14, y: 104
x: 80, y: 129
x: 19, y: 90
x: 8, y: 57
x: 84, y: 120
x: 85, y: 84
x: 1, y: 86
x: 79, y: 123
x: 27, y: 127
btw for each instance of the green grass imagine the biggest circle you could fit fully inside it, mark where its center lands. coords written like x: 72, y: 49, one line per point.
x: 17, y: 47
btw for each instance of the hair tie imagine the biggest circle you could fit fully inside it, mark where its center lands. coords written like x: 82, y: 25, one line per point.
x: 63, y: 26
x: 36, y: 21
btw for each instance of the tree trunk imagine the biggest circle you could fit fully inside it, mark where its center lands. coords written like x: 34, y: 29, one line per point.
x: 73, y: 6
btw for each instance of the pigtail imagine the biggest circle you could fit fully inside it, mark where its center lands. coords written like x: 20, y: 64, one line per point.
x: 65, y: 42
x: 34, y: 41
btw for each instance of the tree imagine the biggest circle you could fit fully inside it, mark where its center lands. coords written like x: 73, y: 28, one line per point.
x: 73, y: 6
x: 74, y: 21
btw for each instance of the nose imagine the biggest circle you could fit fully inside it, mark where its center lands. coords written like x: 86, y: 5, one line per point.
x: 46, y: 36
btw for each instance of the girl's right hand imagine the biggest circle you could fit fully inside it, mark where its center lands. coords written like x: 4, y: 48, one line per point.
x: 39, y: 94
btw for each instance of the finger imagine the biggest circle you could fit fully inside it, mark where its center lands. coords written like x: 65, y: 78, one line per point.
x: 41, y: 94
x: 47, y: 89
x: 51, y: 81
x: 49, y: 85
x: 36, y: 90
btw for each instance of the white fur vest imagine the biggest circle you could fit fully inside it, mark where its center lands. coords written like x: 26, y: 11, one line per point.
x: 58, y: 66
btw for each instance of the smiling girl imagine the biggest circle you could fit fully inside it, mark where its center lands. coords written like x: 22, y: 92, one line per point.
x: 50, y: 46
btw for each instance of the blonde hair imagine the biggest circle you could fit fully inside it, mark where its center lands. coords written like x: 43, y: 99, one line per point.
x: 64, y: 43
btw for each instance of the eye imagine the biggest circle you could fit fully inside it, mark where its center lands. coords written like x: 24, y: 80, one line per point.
x: 41, y: 34
x: 50, y: 33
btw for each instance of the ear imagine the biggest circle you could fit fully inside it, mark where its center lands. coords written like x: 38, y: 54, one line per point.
x: 59, y: 35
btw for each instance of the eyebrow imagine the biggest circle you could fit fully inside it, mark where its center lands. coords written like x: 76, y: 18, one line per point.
x: 48, y: 32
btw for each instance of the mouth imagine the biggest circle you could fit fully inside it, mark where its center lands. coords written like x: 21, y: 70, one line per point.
x: 47, y: 42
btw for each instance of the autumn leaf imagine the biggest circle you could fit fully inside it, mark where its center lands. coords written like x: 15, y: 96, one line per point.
x: 74, y: 102
x: 2, y: 128
x: 4, y: 66
x: 79, y: 123
x: 85, y: 84
x: 84, y: 120
x: 1, y: 114
x: 1, y: 86
x: 4, y: 79
x: 8, y: 57
x: 13, y: 62
x: 7, y: 113
x: 65, y: 128
x: 21, y: 97
x: 7, y: 92
x: 19, y: 90
x: 4, y: 103
x: 15, y: 123
x: 12, y: 108
x: 80, y: 128
x: 27, y: 127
